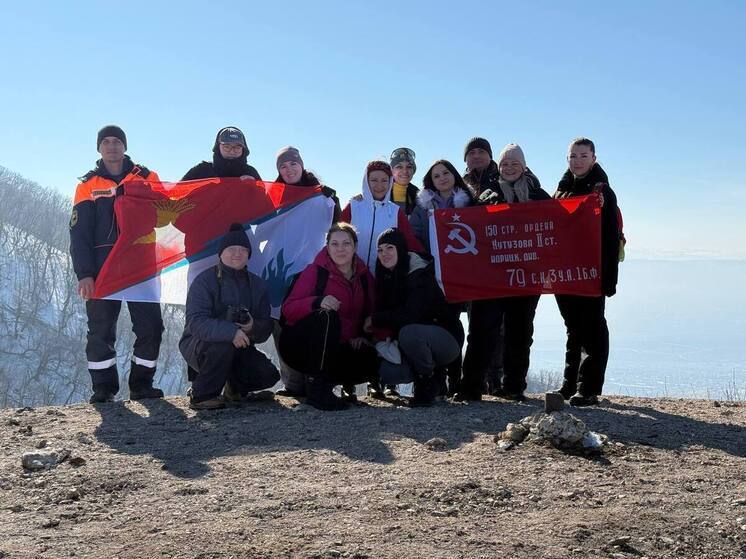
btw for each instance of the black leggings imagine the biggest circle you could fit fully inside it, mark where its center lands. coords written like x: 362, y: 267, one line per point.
x: 312, y: 346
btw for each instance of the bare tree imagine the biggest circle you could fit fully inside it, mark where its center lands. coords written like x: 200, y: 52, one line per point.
x: 43, y: 324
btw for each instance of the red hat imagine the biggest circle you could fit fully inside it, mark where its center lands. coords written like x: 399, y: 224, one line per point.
x: 378, y: 166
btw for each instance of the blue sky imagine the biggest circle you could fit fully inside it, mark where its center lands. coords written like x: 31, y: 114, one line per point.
x: 659, y: 86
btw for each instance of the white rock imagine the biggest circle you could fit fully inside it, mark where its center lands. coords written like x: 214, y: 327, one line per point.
x: 41, y: 459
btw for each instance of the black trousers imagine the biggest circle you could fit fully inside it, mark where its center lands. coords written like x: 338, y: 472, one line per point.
x: 312, y: 346
x: 586, y: 330
x: 485, y: 320
x: 147, y: 324
x: 246, y: 369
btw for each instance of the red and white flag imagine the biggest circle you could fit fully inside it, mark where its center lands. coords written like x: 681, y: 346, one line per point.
x: 507, y: 250
x: 169, y: 232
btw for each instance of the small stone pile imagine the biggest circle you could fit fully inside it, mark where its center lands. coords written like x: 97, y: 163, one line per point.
x: 555, y: 426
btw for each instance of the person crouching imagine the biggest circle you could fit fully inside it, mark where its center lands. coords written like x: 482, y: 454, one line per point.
x: 411, y: 306
x: 227, y: 313
x: 324, y: 314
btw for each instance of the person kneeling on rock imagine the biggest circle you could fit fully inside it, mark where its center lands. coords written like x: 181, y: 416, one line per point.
x: 227, y: 314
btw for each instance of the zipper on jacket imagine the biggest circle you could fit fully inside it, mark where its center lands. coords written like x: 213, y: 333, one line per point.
x: 372, y: 232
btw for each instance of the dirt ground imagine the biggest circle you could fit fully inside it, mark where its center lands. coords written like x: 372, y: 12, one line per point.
x: 278, y: 479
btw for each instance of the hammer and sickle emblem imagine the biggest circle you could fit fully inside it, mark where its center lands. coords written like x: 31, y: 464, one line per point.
x: 467, y: 245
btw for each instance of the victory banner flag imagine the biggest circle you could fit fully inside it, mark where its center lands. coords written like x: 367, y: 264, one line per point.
x: 508, y: 250
x: 170, y: 232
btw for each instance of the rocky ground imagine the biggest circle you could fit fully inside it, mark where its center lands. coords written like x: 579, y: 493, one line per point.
x: 278, y: 479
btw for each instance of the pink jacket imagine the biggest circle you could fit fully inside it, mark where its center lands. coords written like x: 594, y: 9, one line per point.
x: 355, y: 305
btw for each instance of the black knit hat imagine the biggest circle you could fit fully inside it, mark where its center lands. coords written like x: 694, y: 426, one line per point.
x: 111, y: 130
x: 235, y: 236
x: 478, y: 142
x: 394, y: 236
x: 228, y: 135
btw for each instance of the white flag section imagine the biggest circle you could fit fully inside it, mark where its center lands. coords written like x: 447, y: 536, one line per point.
x: 283, y: 244
x: 289, y: 242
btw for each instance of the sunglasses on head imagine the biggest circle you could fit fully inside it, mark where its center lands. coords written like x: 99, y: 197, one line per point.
x: 408, y: 153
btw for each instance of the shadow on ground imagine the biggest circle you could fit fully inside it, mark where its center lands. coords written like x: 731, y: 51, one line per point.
x: 185, y: 442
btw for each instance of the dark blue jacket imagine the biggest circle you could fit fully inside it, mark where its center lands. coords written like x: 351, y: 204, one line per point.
x: 93, y: 228
x: 208, y: 299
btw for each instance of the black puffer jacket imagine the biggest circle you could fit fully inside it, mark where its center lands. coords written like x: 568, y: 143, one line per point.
x: 597, y: 181
x: 415, y: 299
x: 221, y: 167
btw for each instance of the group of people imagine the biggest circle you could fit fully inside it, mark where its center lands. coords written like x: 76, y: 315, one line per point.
x: 368, y: 309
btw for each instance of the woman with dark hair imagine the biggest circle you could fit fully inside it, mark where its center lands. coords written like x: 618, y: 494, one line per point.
x: 324, y: 314
x: 410, y: 306
x: 291, y: 171
x: 443, y: 188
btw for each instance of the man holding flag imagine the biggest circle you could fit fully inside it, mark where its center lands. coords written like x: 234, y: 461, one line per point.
x: 93, y: 232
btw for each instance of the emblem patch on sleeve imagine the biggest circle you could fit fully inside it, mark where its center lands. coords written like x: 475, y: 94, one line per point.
x: 74, y: 218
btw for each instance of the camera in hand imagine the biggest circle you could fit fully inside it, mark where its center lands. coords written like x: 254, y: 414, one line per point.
x: 239, y: 315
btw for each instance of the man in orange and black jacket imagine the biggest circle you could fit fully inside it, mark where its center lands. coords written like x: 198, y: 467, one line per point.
x: 93, y: 232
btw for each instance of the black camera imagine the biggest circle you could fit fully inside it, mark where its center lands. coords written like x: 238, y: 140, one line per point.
x: 239, y: 315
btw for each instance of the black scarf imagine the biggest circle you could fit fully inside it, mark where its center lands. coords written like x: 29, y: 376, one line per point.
x: 230, y: 167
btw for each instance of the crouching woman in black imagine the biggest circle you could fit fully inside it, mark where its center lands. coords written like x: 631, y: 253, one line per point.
x: 324, y: 314
x: 227, y: 314
x: 412, y: 308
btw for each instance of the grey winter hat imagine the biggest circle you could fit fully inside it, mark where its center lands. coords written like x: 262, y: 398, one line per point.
x: 403, y: 155
x: 235, y: 236
x: 230, y: 135
x: 288, y: 153
x: 477, y: 142
x: 111, y: 130
x: 512, y: 151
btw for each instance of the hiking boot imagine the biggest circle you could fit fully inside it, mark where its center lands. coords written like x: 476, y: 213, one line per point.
x: 465, y: 395
x: 498, y: 391
x: 375, y: 390
x: 579, y: 400
x: 319, y: 394
x: 141, y: 383
x: 215, y: 403
x: 514, y: 396
x: 390, y: 391
x: 349, y: 394
x: 146, y: 392
x: 260, y: 396
x: 101, y: 396
x: 425, y: 390
x: 230, y: 395
x: 567, y: 390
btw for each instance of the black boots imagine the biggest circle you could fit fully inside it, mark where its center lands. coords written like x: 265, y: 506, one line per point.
x: 105, y: 384
x: 579, y: 400
x: 567, y: 390
x: 141, y: 383
x: 320, y: 395
x: 425, y: 390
